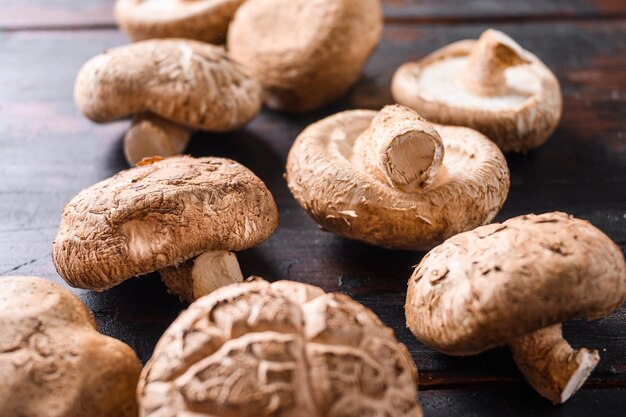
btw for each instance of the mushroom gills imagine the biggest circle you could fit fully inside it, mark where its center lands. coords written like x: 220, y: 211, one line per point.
x: 151, y: 136
x: 551, y: 365
x: 201, y: 275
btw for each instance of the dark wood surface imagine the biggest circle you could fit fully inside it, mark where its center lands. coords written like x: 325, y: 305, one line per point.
x: 49, y: 151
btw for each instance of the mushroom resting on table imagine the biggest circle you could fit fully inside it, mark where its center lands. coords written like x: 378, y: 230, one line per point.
x: 392, y: 179
x: 288, y: 349
x: 490, y: 84
x: 172, y: 87
x: 203, y: 20
x: 53, y: 361
x: 179, y: 216
x: 514, y: 283
x: 305, y: 53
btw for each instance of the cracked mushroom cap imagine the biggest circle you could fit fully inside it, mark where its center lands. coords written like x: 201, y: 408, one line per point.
x: 203, y: 20
x: 158, y: 215
x: 49, y: 344
x: 500, y: 282
x: 191, y: 83
x: 306, y: 53
x: 283, y: 349
x: 330, y: 179
x: 491, y: 85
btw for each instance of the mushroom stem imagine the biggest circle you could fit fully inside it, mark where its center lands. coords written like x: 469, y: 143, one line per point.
x: 492, y: 55
x: 202, y: 275
x: 551, y: 365
x: 152, y: 136
x: 401, y: 149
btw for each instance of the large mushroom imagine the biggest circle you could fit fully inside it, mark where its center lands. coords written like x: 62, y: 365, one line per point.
x: 179, y: 216
x: 306, y: 53
x: 491, y: 85
x: 172, y: 86
x: 53, y: 361
x: 514, y: 283
x: 203, y: 20
x: 394, y: 180
x: 284, y: 349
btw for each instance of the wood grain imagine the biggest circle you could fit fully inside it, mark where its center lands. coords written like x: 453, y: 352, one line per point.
x: 49, y: 151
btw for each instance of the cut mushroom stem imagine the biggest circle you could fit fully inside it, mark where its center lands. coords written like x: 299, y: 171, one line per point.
x: 401, y: 149
x: 151, y: 136
x: 551, y: 365
x: 202, y: 275
x: 492, y: 55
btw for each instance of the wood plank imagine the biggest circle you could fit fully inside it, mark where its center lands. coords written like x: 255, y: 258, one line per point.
x: 17, y: 14
x: 49, y: 152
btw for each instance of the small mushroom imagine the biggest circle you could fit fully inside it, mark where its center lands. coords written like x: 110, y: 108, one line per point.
x: 203, y: 20
x: 53, y: 361
x: 172, y: 86
x: 180, y: 216
x: 394, y: 180
x: 305, y: 53
x: 514, y: 283
x: 491, y: 85
x: 281, y: 349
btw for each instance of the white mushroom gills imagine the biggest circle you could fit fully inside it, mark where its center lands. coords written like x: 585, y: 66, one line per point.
x: 551, y: 365
x: 151, y: 136
x: 493, y: 54
x: 401, y: 149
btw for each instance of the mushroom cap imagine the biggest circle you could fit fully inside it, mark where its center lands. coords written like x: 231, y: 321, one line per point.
x: 203, y: 20
x: 351, y: 203
x: 157, y: 215
x: 187, y: 82
x: 306, y: 53
x: 282, y: 349
x: 48, y: 347
x: 499, y: 282
x: 521, y: 118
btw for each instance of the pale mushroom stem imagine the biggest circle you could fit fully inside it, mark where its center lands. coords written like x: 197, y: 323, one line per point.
x: 151, y: 136
x: 401, y: 149
x: 202, y: 275
x: 551, y: 365
x: 493, y: 54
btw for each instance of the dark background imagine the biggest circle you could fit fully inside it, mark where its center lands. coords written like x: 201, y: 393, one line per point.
x: 49, y: 152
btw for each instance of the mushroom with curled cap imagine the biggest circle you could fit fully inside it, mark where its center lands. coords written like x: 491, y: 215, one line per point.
x: 392, y: 179
x: 179, y: 216
x: 305, y: 53
x: 53, y: 361
x: 171, y: 86
x: 491, y: 85
x: 514, y: 283
x: 286, y: 349
x: 203, y: 20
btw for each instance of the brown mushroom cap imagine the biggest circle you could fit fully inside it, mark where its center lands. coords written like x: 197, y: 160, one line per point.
x: 282, y: 349
x: 305, y: 53
x: 500, y: 282
x: 343, y: 199
x: 187, y: 82
x: 491, y: 85
x: 203, y: 20
x: 158, y: 215
x: 48, y: 347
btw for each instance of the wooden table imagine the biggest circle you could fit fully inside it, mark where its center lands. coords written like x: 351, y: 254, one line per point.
x: 49, y: 151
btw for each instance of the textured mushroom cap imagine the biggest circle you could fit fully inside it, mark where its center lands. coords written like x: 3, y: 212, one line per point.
x: 306, y: 53
x: 152, y: 216
x: 48, y: 348
x: 523, y: 117
x: 284, y: 349
x: 204, y: 20
x: 499, y: 282
x: 187, y: 82
x: 323, y: 178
